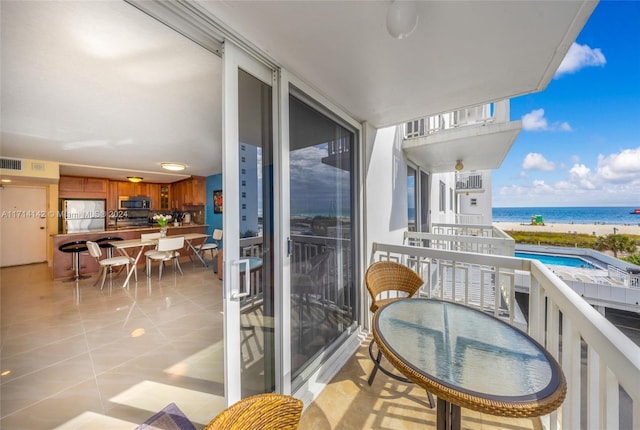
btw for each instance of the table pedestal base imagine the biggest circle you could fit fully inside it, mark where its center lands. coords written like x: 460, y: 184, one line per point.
x: 76, y: 269
x: 448, y: 416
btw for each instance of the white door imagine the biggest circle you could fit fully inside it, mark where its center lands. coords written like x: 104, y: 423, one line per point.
x: 248, y: 137
x: 23, y: 225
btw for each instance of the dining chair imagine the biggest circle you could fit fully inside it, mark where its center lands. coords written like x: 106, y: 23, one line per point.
x: 147, y: 263
x: 210, y: 246
x: 166, y: 250
x: 262, y: 411
x: 96, y: 252
x: 387, y: 282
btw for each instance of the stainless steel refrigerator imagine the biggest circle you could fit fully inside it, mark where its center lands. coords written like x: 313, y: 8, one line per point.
x: 82, y: 215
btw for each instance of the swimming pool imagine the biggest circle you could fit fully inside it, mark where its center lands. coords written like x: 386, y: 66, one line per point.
x: 558, y: 260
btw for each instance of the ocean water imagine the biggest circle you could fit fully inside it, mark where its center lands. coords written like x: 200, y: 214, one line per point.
x: 568, y: 215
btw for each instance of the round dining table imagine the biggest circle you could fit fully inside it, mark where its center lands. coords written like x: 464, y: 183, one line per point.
x: 470, y: 359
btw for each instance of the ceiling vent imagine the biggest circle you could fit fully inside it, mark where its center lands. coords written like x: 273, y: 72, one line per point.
x: 10, y: 164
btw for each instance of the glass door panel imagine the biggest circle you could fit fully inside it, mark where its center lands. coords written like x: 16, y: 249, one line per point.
x: 256, y: 234
x: 321, y: 166
x: 248, y: 225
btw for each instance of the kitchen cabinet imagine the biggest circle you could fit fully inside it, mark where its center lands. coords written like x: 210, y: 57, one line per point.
x: 154, y: 193
x: 133, y: 189
x: 81, y: 187
x: 165, y: 196
x: 160, y: 198
x: 112, y: 196
x: 189, y: 192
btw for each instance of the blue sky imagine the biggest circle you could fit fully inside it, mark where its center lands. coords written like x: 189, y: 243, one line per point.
x: 580, y: 140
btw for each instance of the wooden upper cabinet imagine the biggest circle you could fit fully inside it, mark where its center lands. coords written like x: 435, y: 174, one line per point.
x: 199, y: 189
x: 154, y: 193
x: 125, y: 188
x: 71, y: 183
x: 112, y: 196
x: 80, y: 187
x: 189, y: 192
x: 96, y: 185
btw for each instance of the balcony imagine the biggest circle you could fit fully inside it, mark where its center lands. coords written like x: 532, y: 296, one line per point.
x: 602, y: 366
x: 469, y: 182
x: 480, y: 136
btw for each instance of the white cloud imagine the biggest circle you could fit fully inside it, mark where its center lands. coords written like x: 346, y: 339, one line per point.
x: 535, y: 161
x: 620, y: 167
x: 581, y: 176
x: 535, y: 121
x: 579, y: 57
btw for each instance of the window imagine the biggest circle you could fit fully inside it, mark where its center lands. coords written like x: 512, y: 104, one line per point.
x: 411, y: 199
x: 443, y: 197
x: 244, y: 195
x: 244, y: 206
x: 244, y: 183
x: 243, y: 159
x: 244, y: 171
x: 451, y: 199
x: 474, y: 202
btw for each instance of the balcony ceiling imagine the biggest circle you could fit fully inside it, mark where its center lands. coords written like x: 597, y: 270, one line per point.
x: 478, y: 147
x: 102, y: 84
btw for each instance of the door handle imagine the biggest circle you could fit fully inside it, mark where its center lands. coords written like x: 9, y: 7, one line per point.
x: 41, y: 228
x: 236, y: 293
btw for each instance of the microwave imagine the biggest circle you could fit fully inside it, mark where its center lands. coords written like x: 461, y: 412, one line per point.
x: 126, y: 202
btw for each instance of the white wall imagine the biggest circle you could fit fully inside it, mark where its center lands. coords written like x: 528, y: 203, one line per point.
x: 449, y: 215
x: 483, y: 200
x: 385, y: 186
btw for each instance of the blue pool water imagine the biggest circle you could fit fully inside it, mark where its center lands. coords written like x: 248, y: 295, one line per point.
x: 558, y: 260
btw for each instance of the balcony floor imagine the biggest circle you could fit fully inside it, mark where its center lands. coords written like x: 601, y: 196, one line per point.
x: 349, y: 403
x: 71, y: 361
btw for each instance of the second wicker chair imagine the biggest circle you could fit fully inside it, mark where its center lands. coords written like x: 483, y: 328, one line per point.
x: 388, y: 281
x: 263, y: 411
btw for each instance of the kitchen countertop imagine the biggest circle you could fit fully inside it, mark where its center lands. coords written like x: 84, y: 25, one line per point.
x: 121, y: 229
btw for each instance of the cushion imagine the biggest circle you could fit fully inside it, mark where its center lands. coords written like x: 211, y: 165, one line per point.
x: 169, y: 418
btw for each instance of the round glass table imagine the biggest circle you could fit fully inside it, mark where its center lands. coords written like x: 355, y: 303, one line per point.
x: 469, y: 359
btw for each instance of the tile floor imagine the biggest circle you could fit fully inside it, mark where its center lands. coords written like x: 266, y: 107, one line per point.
x: 74, y: 356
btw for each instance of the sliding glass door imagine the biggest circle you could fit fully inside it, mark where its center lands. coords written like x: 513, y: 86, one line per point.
x: 321, y: 189
x: 248, y: 226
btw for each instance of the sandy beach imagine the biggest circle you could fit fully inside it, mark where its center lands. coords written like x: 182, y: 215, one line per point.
x: 592, y: 229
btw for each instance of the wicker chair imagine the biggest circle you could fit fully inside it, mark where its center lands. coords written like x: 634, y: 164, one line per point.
x: 382, y: 279
x: 259, y: 412
x: 388, y: 276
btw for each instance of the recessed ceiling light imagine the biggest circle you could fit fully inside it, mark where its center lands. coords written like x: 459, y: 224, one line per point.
x: 6, y: 180
x: 173, y: 166
x: 134, y: 178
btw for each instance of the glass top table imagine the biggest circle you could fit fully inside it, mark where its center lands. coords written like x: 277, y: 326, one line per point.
x: 468, y: 358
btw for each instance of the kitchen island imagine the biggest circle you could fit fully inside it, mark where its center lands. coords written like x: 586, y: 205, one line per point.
x: 63, y: 261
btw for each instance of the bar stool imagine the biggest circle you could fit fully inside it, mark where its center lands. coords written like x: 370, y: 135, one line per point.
x: 102, y: 243
x: 75, y: 247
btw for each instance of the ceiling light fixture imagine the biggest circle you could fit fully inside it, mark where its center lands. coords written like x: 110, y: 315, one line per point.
x: 173, y: 166
x: 402, y: 18
x: 134, y: 178
x: 6, y: 180
x: 459, y: 165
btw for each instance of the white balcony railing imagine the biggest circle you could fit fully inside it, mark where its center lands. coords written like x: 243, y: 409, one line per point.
x: 480, y: 244
x: 474, y: 115
x: 609, y: 396
x: 468, y: 182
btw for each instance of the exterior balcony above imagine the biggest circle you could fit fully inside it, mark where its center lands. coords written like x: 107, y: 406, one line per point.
x: 469, y: 182
x: 479, y: 137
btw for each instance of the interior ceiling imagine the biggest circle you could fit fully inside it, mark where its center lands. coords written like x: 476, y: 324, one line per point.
x: 102, y: 84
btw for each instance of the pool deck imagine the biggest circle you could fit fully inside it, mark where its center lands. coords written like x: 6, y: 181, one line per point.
x: 609, y: 286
